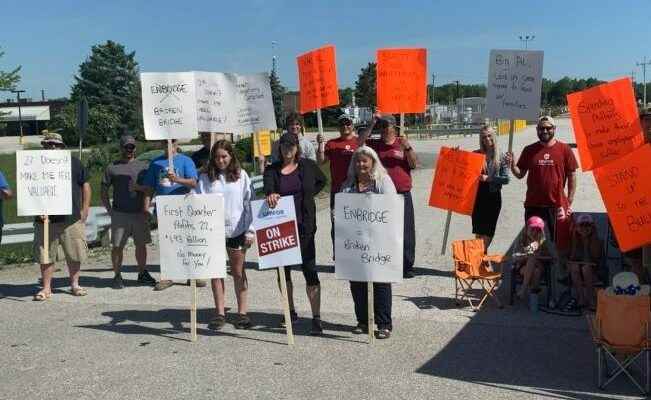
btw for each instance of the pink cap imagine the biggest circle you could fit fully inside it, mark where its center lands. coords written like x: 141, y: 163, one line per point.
x: 536, y: 222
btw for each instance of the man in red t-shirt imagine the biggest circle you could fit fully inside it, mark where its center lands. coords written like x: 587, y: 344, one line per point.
x: 550, y: 164
x: 399, y: 158
x: 338, y: 151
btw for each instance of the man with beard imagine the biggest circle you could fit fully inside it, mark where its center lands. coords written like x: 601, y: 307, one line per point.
x: 550, y: 164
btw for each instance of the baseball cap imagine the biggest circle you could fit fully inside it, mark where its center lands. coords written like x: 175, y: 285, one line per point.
x: 536, y: 222
x: 585, y: 219
x: 127, y: 139
x: 345, y: 117
x: 51, y: 137
x: 547, y: 119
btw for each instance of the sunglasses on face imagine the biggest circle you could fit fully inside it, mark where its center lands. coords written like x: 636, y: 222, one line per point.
x: 130, y: 147
x: 545, y: 128
x: 346, y: 123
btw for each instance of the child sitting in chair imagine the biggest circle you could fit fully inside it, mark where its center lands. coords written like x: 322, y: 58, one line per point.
x: 584, y: 259
x: 531, y: 255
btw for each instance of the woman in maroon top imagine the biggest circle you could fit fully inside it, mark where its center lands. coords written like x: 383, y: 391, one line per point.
x: 399, y: 158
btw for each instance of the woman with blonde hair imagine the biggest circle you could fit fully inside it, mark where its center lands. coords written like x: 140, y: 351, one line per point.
x: 367, y: 175
x: 488, y: 202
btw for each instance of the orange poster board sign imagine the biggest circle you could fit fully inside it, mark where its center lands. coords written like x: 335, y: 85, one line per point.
x: 456, y: 180
x: 317, y: 77
x: 401, y: 80
x: 606, y: 123
x: 625, y: 186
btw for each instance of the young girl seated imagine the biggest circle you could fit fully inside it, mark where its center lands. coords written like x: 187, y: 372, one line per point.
x: 584, y: 258
x: 531, y: 255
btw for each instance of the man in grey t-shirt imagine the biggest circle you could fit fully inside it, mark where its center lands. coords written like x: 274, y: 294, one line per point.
x: 126, y: 210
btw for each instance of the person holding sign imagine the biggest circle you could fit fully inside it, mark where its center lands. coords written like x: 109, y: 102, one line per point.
x: 294, y: 126
x: 299, y: 177
x: 488, y: 202
x: 161, y: 181
x: 65, y: 230
x: 399, y: 158
x: 550, y: 164
x: 367, y: 175
x: 339, y: 152
x: 5, y: 194
x: 127, y: 217
x: 584, y: 259
x: 223, y: 175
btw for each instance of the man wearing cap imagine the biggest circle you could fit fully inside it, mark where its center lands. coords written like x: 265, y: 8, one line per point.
x: 338, y: 151
x: 293, y: 125
x: 399, y: 158
x: 127, y: 216
x: 550, y: 164
x: 161, y: 181
x: 68, y: 231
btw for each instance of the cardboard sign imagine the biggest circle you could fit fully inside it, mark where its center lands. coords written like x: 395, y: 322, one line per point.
x: 317, y: 77
x: 606, y: 123
x: 43, y: 182
x: 365, y: 252
x: 261, y: 143
x: 169, y: 105
x: 276, y: 233
x: 514, y: 84
x: 625, y: 186
x: 253, y: 106
x: 401, y: 80
x: 213, y: 100
x: 456, y: 180
x: 191, y: 236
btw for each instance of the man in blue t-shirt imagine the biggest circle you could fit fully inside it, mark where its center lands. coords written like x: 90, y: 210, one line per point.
x: 5, y: 193
x: 160, y: 181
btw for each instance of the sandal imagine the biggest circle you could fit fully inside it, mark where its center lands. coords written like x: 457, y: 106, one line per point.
x: 243, y: 322
x: 217, y: 323
x: 42, y: 296
x: 79, y: 291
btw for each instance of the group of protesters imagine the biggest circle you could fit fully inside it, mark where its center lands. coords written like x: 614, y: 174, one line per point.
x: 359, y: 163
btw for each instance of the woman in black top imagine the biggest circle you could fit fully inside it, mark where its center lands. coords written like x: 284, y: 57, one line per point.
x: 301, y: 178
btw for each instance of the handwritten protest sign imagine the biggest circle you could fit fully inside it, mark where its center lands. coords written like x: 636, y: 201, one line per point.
x: 456, y: 180
x: 625, y: 186
x: 514, y: 84
x: 401, y: 80
x: 606, y: 123
x: 276, y: 233
x: 253, y: 105
x: 44, y: 182
x: 365, y: 252
x: 214, y: 97
x: 191, y: 236
x: 317, y: 77
x: 169, y: 105
x: 262, y: 143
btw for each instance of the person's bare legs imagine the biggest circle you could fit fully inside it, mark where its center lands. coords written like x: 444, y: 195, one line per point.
x: 527, y: 276
x: 290, y: 290
x: 577, y: 283
x: 74, y: 269
x: 47, y: 270
x: 117, y: 254
x: 538, y: 270
x: 588, y: 285
x: 141, y: 257
x: 240, y: 282
x: 314, y: 296
x: 218, y: 295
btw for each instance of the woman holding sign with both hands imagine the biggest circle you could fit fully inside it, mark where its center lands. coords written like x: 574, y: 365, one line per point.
x: 224, y: 175
x: 301, y: 178
x: 367, y: 175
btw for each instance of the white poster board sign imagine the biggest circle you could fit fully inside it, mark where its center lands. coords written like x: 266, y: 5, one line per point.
x: 369, y: 237
x: 43, y: 182
x: 276, y: 233
x: 191, y: 236
x: 514, y: 84
x: 169, y: 105
x: 253, y: 108
x: 214, y: 102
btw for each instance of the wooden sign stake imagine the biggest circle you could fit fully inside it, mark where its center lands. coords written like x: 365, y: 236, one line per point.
x: 193, y: 311
x: 371, y: 312
x: 402, y: 125
x: 46, y: 239
x: 446, y: 231
x: 319, y: 120
x: 511, y: 132
x: 285, y: 301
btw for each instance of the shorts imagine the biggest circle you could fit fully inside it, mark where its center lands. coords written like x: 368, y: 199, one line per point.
x: 236, y: 243
x: 66, y: 242
x: 124, y: 225
x: 308, y: 253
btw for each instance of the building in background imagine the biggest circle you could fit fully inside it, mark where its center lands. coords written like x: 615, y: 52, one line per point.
x: 35, y: 115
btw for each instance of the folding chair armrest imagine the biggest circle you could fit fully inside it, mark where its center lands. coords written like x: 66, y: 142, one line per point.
x: 592, y: 324
x: 496, y: 258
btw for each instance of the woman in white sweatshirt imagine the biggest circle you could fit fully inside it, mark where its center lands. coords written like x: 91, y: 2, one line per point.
x: 224, y: 175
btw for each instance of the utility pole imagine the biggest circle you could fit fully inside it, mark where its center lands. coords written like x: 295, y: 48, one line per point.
x: 273, y: 56
x: 459, y: 111
x: 643, y: 64
x: 524, y: 40
x: 20, y: 113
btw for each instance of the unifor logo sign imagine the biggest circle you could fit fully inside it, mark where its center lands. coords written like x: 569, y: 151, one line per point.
x: 271, y: 213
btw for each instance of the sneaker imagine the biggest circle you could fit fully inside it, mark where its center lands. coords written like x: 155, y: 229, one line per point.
x: 383, y: 333
x: 199, y: 282
x: 162, y: 285
x: 217, y: 323
x: 317, y: 329
x: 243, y: 322
x: 117, y: 282
x: 408, y: 274
x: 293, y: 316
x: 359, y: 329
x: 145, y: 279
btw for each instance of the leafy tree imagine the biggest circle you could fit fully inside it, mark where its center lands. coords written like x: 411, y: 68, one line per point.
x: 365, y: 89
x: 104, y: 125
x: 8, y: 81
x: 277, y: 94
x: 109, y: 78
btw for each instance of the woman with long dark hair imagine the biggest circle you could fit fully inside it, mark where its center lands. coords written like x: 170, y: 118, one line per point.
x: 224, y: 175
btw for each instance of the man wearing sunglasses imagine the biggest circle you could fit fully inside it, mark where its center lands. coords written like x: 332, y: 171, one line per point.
x: 550, y: 164
x: 67, y: 231
x: 338, y: 151
x: 126, y: 210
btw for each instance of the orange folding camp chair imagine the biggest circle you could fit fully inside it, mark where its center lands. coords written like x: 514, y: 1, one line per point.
x: 472, y: 265
x: 620, y: 331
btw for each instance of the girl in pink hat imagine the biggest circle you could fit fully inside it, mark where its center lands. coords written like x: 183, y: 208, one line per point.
x: 531, y: 255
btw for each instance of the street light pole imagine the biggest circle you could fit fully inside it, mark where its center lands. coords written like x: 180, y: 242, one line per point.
x: 643, y: 64
x: 526, y: 39
x: 20, y: 113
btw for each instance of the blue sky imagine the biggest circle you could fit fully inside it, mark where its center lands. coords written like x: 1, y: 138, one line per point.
x: 580, y: 38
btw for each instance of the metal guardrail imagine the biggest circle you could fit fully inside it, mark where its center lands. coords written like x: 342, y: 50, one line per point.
x: 438, y: 132
x: 98, y: 224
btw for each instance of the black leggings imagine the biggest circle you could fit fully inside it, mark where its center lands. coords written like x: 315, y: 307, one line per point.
x: 308, y: 253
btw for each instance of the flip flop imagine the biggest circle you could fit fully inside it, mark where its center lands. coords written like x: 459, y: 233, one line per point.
x: 79, y: 291
x: 42, y: 296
